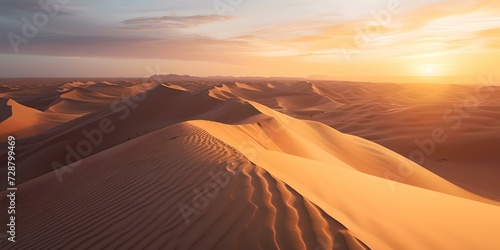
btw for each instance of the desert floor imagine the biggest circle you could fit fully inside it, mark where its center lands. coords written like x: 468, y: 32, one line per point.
x: 173, y: 163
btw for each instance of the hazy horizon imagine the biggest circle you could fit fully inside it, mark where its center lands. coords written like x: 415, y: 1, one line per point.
x: 457, y: 79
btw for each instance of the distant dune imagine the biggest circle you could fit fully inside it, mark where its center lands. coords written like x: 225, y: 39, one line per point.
x: 193, y: 163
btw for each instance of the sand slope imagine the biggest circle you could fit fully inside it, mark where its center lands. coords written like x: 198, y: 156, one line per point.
x: 48, y: 107
x: 242, y: 166
x: 25, y: 121
x: 397, y: 116
x: 160, y: 107
x: 380, y: 208
x: 135, y: 202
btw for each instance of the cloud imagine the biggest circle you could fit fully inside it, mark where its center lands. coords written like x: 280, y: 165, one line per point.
x: 491, y: 38
x: 172, y: 22
x: 489, y: 33
x: 133, y: 46
x: 16, y: 8
x: 428, y: 29
x: 81, y: 36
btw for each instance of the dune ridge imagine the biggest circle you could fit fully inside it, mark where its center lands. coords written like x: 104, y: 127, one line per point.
x: 150, y: 195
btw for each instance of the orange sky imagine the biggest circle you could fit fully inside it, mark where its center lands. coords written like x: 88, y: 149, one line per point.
x: 340, y: 39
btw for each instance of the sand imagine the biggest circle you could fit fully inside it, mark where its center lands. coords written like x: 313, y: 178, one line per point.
x: 253, y: 164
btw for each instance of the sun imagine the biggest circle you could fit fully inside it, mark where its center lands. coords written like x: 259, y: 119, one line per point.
x: 427, y: 70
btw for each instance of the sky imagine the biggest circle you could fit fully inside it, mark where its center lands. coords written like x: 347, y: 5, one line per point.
x: 338, y: 39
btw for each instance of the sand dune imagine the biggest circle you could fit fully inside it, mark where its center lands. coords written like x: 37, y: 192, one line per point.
x: 159, y: 108
x: 25, y: 121
x: 396, y: 115
x: 81, y: 99
x: 37, y: 97
x: 301, y: 97
x: 242, y: 165
x: 250, y: 210
x: 318, y: 142
x: 5, y: 110
x: 328, y: 177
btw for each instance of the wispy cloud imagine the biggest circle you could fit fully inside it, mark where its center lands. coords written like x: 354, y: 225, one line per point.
x: 172, y: 22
